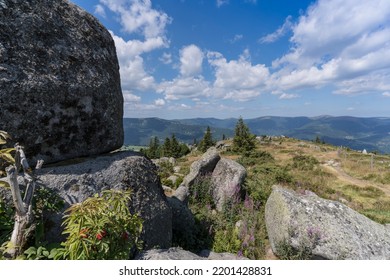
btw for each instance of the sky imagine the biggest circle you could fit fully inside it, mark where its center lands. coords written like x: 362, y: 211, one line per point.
x: 229, y: 58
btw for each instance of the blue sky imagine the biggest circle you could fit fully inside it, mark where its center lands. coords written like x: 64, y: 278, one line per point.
x: 250, y: 58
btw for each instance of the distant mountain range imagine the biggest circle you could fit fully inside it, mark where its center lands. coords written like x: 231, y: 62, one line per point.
x: 372, y: 134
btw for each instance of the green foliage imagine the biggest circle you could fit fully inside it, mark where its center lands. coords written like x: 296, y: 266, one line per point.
x: 263, y: 177
x: 304, y: 162
x: 379, y: 212
x: 154, y: 149
x: 207, y: 141
x: 6, y: 222
x: 252, y: 158
x: 101, y: 227
x: 318, y: 140
x: 166, y: 148
x: 243, y: 140
x: 201, y: 193
x: 184, y: 150
x: 52, y: 252
x: 236, y: 229
x: 308, y: 241
x: 165, y: 169
x: 45, y: 201
x: 6, y: 157
x: 169, y: 183
x: 287, y: 252
x: 170, y: 148
x: 175, y: 147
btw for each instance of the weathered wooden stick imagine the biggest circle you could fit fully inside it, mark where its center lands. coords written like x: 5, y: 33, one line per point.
x: 12, y: 176
x: 24, y: 217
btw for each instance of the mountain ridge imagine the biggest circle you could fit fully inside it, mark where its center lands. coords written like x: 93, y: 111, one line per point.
x: 370, y: 133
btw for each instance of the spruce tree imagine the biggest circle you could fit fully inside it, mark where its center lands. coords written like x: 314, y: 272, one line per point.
x: 175, y: 147
x: 166, y: 150
x: 207, y: 141
x: 153, y: 150
x: 243, y: 140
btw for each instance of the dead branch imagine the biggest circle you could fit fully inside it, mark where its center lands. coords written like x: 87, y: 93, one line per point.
x: 24, y: 216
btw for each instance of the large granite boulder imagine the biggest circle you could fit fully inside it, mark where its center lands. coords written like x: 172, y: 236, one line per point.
x: 60, y: 91
x: 227, y: 179
x: 202, y: 167
x: 180, y: 254
x: 168, y: 254
x: 122, y: 170
x: 322, y: 229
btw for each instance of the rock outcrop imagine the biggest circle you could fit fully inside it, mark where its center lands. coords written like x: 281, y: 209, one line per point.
x: 204, y: 166
x: 227, y: 178
x: 168, y: 254
x: 199, y: 168
x: 324, y: 229
x: 60, y: 91
x: 180, y: 254
x: 123, y: 170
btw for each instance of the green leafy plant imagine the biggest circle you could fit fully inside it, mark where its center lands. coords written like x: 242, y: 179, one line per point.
x: 6, y: 156
x: 6, y: 222
x: 165, y: 169
x: 101, y: 227
x: 304, y: 162
x: 45, y: 201
x: 201, y: 193
x: 307, y: 243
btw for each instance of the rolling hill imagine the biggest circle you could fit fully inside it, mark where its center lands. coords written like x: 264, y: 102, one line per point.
x: 140, y: 131
x: 372, y: 134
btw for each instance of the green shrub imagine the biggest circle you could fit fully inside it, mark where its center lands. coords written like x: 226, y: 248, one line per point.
x: 6, y: 222
x: 165, y: 169
x: 201, y: 193
x: 253, y: 158
x: 304, y: 162
x: 101, y: 227
x: 6, y: 157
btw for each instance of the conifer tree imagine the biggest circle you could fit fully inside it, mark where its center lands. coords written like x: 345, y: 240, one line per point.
x: 154, y: 148
x: 175, y: 147
x: 243, y: 140
x: 166, y: 149
x: 207, y: 141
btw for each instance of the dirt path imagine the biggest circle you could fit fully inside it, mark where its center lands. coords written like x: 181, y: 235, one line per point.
x: 344, y: 177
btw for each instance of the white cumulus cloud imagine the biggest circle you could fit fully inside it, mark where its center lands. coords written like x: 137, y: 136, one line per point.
x: 99, y: 10
x: 338, y: 42
x: 139, y: 16
x: 288, y: 96
x: 136, y: 16
x: 188, y: 87
x: 386, y: 94
x: 222, y: 2
x: 191, y: 58
x: 128, y: 97
x: 159, y: 102
x: 237, y: 79
x: 280, y: 32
